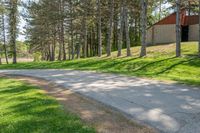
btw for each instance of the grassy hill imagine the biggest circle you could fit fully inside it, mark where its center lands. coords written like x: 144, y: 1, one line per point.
x: 159, y: 64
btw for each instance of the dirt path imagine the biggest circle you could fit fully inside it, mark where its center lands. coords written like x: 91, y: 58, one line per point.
x: 101, y: 117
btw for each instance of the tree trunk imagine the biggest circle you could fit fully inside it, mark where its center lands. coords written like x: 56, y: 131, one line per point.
x: 69, y: 48
x: 4, y: 39
x: 60, y: 43
x: 78, y: 47
x: 85, y: 38
x: 0, y: 56
x: 72, y: 29
x: 72, y: 43
x: 99, y: 28
x: 13, y: 28
x: 199, y: 30
x: 115, y: 32
x: 63, y: 32
x: 143, y: 26
x: 128, y: 45
x: 53, y: 47
x: 110, y: 28
x: 160, y: 9
x: 178, y: 29
x: 120, y: 36
x: 62, y: 51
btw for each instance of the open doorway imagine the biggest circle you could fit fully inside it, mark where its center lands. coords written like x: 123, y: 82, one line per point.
x: 184, y: 33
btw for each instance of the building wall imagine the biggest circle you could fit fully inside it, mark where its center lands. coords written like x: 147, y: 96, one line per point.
x: 149, y: 35
x: 160, y: 34
x: 194, y: 32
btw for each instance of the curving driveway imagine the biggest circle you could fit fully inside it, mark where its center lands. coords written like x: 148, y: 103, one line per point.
x: 168, y: 107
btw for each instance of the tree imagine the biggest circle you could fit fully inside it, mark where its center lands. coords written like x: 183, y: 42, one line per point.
x: 120, y: 35
x: 128, y: 45
x: 13, y: 20
x: 178, y: 29
x: 143, y: 26
x: 110, y: 27
x: 199, y: 29
x: 4, y: 38
x: 62, y: 48
x: 99, y: 28
x: 88, y: 28
x: 3, y: 28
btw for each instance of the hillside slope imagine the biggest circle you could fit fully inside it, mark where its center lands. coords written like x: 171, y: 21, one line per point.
x: 160, y: 64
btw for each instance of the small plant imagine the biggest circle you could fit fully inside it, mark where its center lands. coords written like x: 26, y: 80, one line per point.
x: 37, y: 57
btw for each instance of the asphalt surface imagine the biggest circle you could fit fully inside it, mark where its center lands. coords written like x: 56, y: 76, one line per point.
x: 168, y: 107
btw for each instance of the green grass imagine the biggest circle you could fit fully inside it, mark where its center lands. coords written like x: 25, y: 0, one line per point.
x: 159, y: 64
x: 26, y: 109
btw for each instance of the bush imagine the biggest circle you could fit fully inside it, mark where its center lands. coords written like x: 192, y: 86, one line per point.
x: 37, y: 57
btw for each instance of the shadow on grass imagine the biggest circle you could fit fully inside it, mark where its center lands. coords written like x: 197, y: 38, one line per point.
x: 115, y: 62
x: 152, y: 64
x: 174, y: 65
x: 25, y: 110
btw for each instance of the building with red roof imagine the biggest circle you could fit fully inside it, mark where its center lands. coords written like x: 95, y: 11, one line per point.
x: 164, y: 31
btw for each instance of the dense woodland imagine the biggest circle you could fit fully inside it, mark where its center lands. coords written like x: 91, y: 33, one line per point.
x: 73, y: 29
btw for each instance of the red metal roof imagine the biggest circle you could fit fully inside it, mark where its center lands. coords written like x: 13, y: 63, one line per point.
x: 190, y: 20
x: 185, y: 20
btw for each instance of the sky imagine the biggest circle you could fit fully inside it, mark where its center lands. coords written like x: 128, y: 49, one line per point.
x: 21, y: 25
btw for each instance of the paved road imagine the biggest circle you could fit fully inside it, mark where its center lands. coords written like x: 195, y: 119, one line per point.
x: 168, y: 107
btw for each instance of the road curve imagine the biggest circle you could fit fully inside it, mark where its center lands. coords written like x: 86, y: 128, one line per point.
x: 168, y: 107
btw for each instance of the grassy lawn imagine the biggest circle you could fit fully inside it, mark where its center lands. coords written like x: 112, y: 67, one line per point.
x: 160, y: 64
x: 26, y: 109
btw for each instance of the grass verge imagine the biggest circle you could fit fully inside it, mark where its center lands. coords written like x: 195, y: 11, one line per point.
x: 26, y: 109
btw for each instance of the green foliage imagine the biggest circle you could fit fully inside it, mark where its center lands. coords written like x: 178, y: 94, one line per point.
x: 160, y: 64
x: 37, y: 57
x: 22, y: 49
x: 25, y: 109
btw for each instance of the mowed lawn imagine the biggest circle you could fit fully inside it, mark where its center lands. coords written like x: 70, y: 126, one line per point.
x: 26, y: 109
x: 159, y: 64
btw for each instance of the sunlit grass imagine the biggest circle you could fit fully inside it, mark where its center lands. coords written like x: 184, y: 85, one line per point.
x: 160, y: 64
x: 26, y: 109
